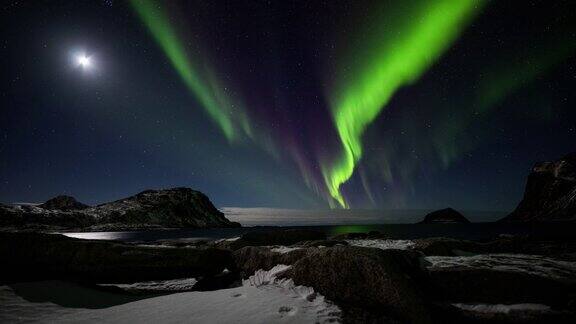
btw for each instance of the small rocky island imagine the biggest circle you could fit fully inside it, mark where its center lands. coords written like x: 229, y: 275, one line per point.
x: 445, y: 216
x: 150, y: 209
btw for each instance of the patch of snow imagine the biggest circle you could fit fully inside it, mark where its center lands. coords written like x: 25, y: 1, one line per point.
x: 232, y: 239
x: 501, y: 308
x: 530, y: 264
x: 161, y: 285
x: 261, y: 299
x: 284, y: 249
x: 262, y: 277
x: 383, y: 244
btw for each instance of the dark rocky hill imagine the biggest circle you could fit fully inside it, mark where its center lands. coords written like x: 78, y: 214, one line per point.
x: 447, y: 215
x: 173, y: 208
x: 63, y: 203
x: 550, y: 193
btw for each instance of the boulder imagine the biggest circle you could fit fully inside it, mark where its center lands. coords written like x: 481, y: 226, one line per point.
x: 381, y: 282
x: 445, y: 216
x: 550, y: 193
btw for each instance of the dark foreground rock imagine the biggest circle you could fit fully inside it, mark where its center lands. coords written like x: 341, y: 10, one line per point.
x: 504, y: 279
x: 550, y: 193
x: 170, y: 208
x: 507, y: 280
x: 442, y: 246
x: 445, y: 216
x: 498, y: 314
x: 30, y: 256
x: 370, y: 283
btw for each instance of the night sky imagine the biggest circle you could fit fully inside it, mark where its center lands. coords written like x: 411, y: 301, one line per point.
x: 292, y: 104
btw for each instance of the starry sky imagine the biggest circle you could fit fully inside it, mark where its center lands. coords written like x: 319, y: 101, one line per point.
x: 288, y: 104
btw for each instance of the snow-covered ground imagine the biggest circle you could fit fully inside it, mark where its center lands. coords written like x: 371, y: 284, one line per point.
x: 531, y: 264
x: 383, y: 244
x: 261, y: 299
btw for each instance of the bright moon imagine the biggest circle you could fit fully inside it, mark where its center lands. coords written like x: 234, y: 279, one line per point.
x: 84, y: 61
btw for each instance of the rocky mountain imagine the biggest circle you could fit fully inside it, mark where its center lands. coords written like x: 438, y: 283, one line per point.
x: 63, y: 203
x: 447, y: 215
x: 550, y: 193
x: 174, y: 208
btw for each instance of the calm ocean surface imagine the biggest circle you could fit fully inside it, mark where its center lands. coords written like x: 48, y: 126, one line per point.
x: 397, y: 224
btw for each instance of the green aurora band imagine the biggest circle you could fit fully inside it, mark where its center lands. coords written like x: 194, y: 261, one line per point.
x: 210, y: 94
x: 398, y: 58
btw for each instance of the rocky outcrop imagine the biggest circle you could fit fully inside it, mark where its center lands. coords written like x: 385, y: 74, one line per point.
x: 447, y: 215
x: 366, y: 280
x: 174, y: 208
x: 550, y: 193
x: 251, y: 258
x: 458, y: 313
x: 503, y: 279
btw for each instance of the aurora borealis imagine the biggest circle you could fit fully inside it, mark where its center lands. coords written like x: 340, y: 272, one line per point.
x: 204, y: 86
x: 395, y: 61
x: 293, y: 104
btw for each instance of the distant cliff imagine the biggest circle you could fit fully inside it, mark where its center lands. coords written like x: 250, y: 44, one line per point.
x: 550, y: 193
x: 173, y: 208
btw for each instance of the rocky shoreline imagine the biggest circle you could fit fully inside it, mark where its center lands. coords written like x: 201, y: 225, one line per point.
x: 370, y: 278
